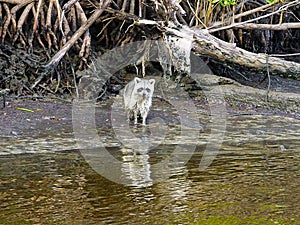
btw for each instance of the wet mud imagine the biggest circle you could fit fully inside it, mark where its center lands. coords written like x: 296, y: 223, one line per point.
x: 48, y: 117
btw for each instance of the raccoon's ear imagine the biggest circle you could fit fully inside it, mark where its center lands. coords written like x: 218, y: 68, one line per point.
x: 152, y: 81
x: 137, y: 80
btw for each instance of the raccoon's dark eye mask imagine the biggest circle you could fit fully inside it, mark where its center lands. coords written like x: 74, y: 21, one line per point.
x: 141, y: 89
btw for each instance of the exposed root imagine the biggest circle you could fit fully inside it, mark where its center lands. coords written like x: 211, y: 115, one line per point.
x: 21, y: 22
x: 42, y: 23
x: 6, y: 23
x: 53, y: 31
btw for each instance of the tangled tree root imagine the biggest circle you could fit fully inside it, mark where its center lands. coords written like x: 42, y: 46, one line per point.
x: 60, y: 32
x: 44, y: 23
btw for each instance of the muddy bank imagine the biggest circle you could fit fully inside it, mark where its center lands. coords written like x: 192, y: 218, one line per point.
x: 35, y: 117
x: 284, y: 96
x: 50, y: 118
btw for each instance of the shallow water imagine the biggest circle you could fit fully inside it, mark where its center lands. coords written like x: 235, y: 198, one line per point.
x: 252, y: 179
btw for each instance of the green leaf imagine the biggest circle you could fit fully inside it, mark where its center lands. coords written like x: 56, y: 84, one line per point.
x: 271, y: 1
x: 26, y: 110
x: 225, y: 3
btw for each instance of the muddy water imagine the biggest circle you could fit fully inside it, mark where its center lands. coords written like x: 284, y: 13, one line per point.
x: 252, y: 179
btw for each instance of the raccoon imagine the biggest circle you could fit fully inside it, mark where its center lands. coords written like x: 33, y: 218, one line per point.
x: 137, y: 96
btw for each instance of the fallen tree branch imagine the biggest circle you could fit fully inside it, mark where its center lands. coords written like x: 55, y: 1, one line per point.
x: 208, y: 45
x: 283, y: 26
x: 285, y: 55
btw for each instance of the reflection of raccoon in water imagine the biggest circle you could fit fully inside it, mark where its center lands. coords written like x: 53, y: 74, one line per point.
x: 137, y: 96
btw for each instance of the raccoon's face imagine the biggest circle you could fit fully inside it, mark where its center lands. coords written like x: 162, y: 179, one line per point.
x: 144, y: 91
x: 144, y: 88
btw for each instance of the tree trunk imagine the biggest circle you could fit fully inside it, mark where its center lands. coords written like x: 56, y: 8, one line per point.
x: 210, y: 46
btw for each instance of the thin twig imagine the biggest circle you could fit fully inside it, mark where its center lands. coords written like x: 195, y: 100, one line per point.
x: 75, y: 82
x: 246, y: 13
x: 282, y: 8
x: 285, y: 55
